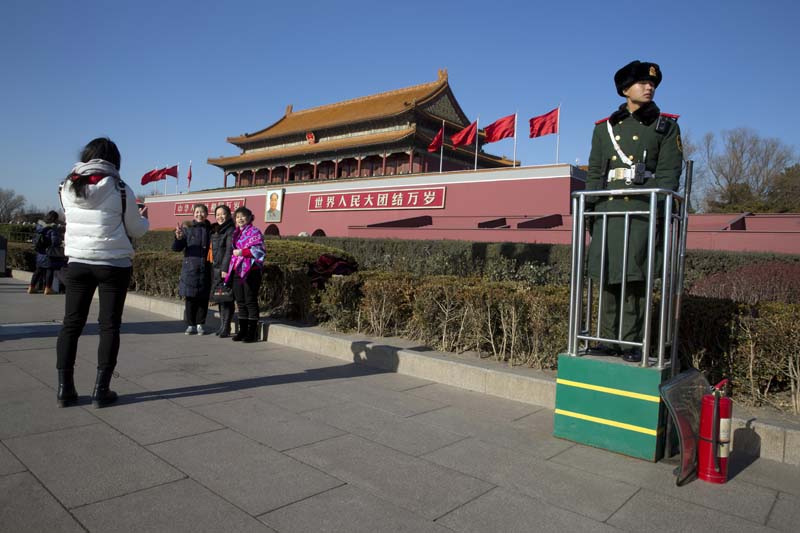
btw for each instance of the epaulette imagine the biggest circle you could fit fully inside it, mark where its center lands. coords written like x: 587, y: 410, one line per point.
x: 670, y: 115
x: 602, y: 120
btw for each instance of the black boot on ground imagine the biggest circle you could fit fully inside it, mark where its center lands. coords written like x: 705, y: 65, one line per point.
x: 66, y: 395
x: 225, y: 323
x: 241, y: 334
x: 252, y: 331
x: 103, y: 395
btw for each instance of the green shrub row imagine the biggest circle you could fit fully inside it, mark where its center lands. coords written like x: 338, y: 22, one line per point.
x: 520, y: 324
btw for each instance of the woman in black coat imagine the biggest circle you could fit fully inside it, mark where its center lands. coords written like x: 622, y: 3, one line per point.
x: 221, y: 251
x: 193, y: 239
x: 51, y: 257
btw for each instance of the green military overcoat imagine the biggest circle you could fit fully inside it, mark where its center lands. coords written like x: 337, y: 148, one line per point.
x: 635, y: 133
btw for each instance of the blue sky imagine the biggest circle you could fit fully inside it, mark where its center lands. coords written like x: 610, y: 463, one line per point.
x: 170, y: 80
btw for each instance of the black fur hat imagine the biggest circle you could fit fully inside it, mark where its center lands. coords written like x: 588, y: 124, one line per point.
x: 636, y: 71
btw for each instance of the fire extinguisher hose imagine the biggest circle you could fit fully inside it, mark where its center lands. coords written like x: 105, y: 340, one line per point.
x: 715, y: 431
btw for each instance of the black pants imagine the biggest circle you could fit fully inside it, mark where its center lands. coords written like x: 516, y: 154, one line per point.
x: 246, y: 294
x: 43, y: 274
x: 82, y: 280
x: 196, y: 310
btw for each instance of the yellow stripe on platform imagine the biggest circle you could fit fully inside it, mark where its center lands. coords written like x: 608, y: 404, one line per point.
x: 606, y: 422
x: 609, y: 390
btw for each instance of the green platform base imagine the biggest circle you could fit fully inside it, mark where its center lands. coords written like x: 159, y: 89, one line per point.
x: 607, y: 403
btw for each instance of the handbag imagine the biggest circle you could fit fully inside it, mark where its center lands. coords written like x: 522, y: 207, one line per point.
x: 221, y: 293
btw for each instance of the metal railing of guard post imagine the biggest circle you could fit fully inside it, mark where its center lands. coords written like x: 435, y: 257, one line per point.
x: 666, y: 218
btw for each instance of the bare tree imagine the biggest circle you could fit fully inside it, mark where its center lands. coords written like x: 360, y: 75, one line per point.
x: 741, y: 174
x: 10, y: 204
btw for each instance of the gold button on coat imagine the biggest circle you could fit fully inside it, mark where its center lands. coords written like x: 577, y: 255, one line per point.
x: 635, y: 137
x: 613, y: 158
x: 617, y: 137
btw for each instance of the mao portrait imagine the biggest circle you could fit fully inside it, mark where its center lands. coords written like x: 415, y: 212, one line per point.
x: 274, y: 205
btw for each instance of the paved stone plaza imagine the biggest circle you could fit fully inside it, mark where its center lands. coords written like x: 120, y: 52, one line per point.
x: 211, y: 435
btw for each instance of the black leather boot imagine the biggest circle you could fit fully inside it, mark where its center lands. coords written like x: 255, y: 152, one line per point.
x: 67, y: 395
x: 252, y: 331
x: 244, y: 326
x: 225, y: 322
x: 102, y: 395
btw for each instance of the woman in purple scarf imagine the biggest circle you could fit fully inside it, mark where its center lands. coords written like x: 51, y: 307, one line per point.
x: 245, y: 270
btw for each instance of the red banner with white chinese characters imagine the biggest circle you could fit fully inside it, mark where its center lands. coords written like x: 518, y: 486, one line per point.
x: 185, y: 209
x: 428, y: 198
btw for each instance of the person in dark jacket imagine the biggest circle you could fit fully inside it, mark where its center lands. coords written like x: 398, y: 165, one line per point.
x: 221, y: 253
x: 51, y: 258
x: 193, y: 239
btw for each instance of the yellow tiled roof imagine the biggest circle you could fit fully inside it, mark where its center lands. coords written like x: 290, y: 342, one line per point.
x: 358, y: 109
x: 321, y: 147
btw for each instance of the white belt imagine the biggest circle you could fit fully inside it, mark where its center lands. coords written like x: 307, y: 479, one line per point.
x: 627, y: 174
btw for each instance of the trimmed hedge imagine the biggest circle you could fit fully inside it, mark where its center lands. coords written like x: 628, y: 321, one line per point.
x: 753, y: 345
x: 533, y: 263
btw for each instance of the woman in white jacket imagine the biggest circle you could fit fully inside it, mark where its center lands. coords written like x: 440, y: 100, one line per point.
x: 102, y: 216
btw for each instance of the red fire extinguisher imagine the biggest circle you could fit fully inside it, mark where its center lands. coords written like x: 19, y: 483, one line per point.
x: 713, y: 447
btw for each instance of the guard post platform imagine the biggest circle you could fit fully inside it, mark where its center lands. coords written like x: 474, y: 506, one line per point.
x: 603, y: 401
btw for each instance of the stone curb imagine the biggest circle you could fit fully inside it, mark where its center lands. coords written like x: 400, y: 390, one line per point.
x: 766, y: 439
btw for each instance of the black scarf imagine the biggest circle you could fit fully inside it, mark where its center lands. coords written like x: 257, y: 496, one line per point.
x: 647, y: 114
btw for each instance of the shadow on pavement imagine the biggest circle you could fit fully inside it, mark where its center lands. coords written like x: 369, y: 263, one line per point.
x: 349, y: 370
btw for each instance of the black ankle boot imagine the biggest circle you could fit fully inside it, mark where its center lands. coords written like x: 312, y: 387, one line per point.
x: 67, y: 395
x: 244, y: 326
x: 102, y: 395
x: 225, y: 325
x: 252, y: 331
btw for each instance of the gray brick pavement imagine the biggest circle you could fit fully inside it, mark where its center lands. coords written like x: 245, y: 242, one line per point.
x: 211, y: 436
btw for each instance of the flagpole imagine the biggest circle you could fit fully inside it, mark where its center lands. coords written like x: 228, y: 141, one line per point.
x: 558, y: 130
x: 176, y: 179
x: 165, y: 183
x: 477, y: 135
x: 514, y: 165
x: 441, y: 149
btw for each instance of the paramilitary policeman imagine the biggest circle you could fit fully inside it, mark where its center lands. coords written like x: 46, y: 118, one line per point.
x: 637, y: 147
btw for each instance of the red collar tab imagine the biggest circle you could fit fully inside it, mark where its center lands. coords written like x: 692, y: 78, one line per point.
x: 93, y: 180
x: 602, y: 120
x: 670, y: 115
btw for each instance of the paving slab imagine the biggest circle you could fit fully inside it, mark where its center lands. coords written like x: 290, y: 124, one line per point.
x: 503, y: 510
x: 651, y: 511
x: 399, y: 403
x: 250, y: 475
x: 475, y: 402
x: 268, y: 424
x: 148, y: 422
x: 32, y: 411
x: 14, y: 379
x: 350, y: 509
x: 736, y: 497
x: 182, y: 506
x: 403, y: 434
x: 294, y: 397
x: 772, y: 475
x: 785, y: 516
x: 590, y: 495
x: 9, y: 463
x: 412, y: 483
x: 90, y: 463
x: 520, y: 437
x: 26, y: 506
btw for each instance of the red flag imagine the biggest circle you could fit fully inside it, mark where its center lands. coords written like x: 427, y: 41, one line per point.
x: 500, y: 129
x: 171, y: 171
x: 465, y: 136
x: 545, y: 124
x: 153, y: 175
x: 437, y: 141
x: 189, y: 175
